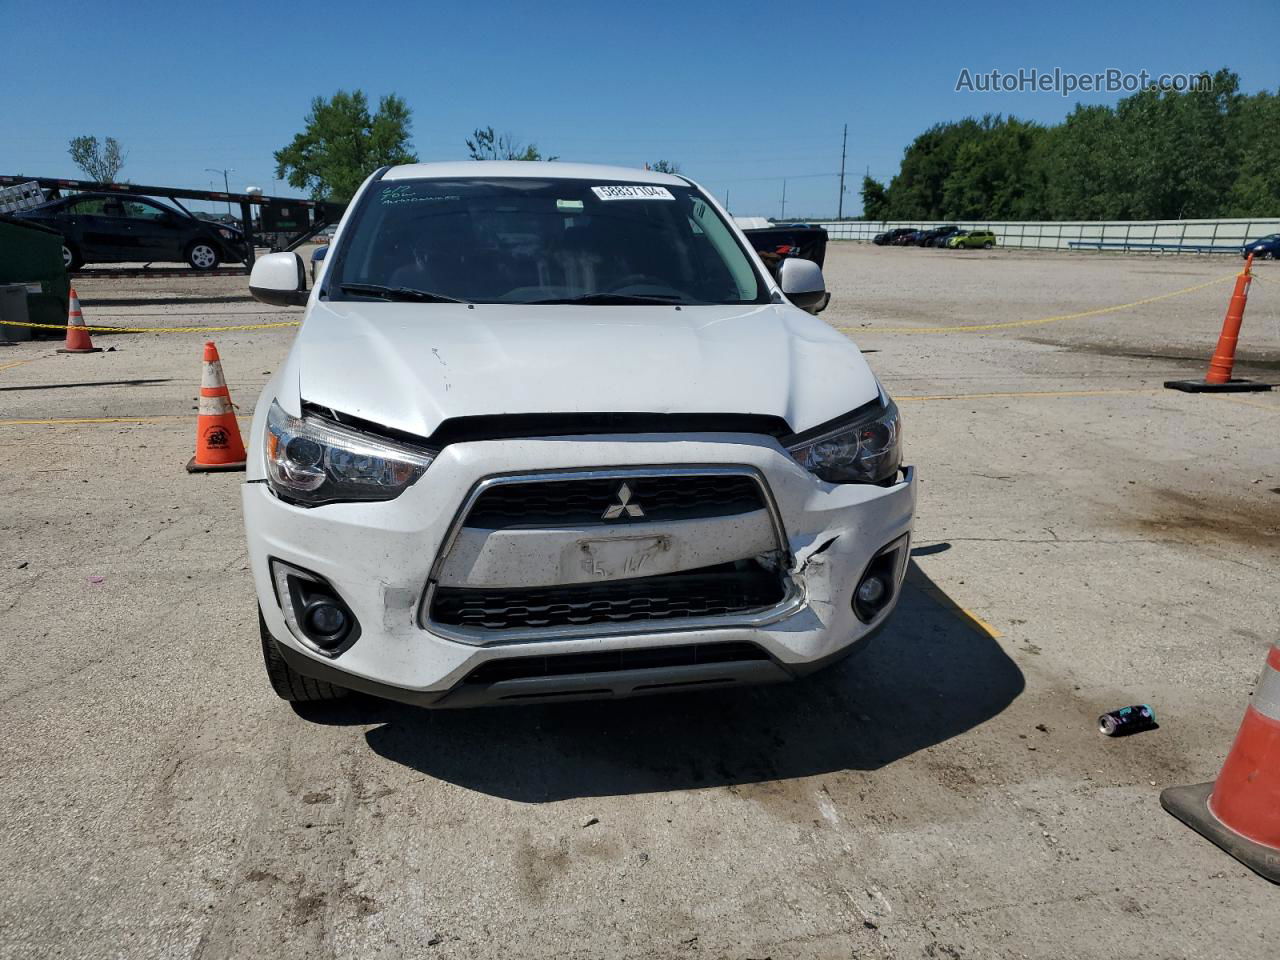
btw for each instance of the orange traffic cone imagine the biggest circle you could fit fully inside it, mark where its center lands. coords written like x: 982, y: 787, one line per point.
x: 1219, y: 379
x: 218, y: 443
x: 77, y: 336
x: 1241, y: 811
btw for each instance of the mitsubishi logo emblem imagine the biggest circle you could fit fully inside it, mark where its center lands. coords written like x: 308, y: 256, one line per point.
x: 624, y: 505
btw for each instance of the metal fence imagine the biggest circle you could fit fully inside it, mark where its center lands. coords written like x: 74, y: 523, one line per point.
x: 1152, y: 236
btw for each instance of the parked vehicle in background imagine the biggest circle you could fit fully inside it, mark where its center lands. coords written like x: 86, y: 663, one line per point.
x: 317, y: 260
x: 109, y: 228
x: 907, y: 239
x: 937, y: 237
x: 972, y: 239
x: 1264, y: 248
x: 890, y: 237
x: 552, y: 431
x: 781, y: 240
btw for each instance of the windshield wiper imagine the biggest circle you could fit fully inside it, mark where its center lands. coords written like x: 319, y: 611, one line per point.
x: 613, y: 298
x: 398, y: 293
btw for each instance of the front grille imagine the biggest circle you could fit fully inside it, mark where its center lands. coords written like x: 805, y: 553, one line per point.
x: 710, y: 592
x: 521, y: 668
x: 559, y: 503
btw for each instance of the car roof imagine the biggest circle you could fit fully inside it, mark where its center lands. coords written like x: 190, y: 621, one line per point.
x: 531, y: 169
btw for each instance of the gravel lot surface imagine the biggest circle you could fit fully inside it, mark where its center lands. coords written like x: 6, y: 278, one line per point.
x: 1085, y: 540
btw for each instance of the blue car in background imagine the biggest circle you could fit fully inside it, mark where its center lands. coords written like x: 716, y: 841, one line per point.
x: 317, y: 260
x: 1264, y: 248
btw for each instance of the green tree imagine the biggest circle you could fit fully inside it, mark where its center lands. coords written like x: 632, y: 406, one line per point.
x: 665, y: 166
x: 1176, y: 151
x: 484, y: 144
x: 1255, y: 136
x: 1082, y: 167
x: 916, y: 192
x: 100, y: 162
x: 992, y: 174
x: 343, y: 143
x: 1158, y: 154
x: 875, y: 200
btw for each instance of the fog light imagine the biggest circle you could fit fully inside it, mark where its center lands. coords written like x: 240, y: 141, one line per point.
x: 871, y: 591
x: 313, y: 611
x: 325, y: 622
x: 875, y: 591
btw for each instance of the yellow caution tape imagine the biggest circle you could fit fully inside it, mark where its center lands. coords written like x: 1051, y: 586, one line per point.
x: 1009, y: 324
x: 957, y: 328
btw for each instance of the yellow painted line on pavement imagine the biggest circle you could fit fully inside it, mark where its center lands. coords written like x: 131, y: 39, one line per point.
x: 99, y: 328
x: 977, y: 621
x: 1030, y: 393
x: 18, y: 363
x: 918, y: 581
x: 1269, y: 407
x: 59, y: 421
x: 75, y: 421
x: 1010, y: 324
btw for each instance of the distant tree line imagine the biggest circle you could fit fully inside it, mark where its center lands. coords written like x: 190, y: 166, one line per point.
x: 1156, y: 155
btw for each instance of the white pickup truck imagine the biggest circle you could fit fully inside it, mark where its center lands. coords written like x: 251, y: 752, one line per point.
x: 551, y: 431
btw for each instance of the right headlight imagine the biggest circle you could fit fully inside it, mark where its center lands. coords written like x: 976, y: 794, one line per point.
x: 865, y: 447
x: 312, y: 461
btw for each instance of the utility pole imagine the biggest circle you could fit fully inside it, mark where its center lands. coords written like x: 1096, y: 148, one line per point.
x: 844, y: 140
x: 784, y: 200
x: 726, y: 201
x: 226, y: 183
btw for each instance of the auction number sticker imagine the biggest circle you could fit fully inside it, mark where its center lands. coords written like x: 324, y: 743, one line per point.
x: 624, y: 191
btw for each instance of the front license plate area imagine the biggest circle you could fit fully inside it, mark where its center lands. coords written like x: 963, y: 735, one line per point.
x: 616, y: 558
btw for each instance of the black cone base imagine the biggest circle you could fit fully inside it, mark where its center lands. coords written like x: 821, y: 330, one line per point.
x: 1231, y: 386
x: 1191, y: 806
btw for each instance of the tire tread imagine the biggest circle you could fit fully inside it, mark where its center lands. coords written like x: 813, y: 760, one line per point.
x: 288, y: 683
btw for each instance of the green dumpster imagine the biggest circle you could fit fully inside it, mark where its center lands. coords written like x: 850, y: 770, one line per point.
x: 31, y: 254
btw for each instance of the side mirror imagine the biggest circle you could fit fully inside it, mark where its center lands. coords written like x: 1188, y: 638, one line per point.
x: 279, y: 279
x: 801, y: 281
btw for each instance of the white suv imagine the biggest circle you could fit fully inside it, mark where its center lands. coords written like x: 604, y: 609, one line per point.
x: 553, y: 431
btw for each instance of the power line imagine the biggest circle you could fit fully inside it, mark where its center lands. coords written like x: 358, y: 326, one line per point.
x: 788, y: 176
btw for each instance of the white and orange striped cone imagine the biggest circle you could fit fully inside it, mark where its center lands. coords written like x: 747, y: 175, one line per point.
x: 1240, y: 811
x: 218, y: 443
x: 78, y: 340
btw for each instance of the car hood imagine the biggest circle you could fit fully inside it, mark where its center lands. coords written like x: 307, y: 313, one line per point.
x: 412, y: 366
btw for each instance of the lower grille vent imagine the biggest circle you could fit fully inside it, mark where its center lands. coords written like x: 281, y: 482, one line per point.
x: 521, y: 668
x: 710, y: 592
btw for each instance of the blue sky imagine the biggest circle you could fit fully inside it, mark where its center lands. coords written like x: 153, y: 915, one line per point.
x: 741, y: 94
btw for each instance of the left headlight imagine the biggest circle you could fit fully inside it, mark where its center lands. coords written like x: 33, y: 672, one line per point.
x: 312, y: 461
x: 862, y: 448
x: 226, y: 234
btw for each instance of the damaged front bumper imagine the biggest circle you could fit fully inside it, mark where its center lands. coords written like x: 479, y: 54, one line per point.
x: 383, y: 559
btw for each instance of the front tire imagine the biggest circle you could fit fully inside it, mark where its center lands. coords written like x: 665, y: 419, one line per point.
x: 287, y: 682
x: 202, y: 255
x: 71, y: 258
x: 988, y: 245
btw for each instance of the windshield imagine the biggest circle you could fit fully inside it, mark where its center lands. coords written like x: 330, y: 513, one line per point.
x: 527, y: 240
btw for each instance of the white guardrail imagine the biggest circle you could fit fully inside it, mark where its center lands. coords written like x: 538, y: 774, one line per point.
x: 1154, y: 236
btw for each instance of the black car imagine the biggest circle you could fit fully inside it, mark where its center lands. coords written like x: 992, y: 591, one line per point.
x: 109, y: 228
x: 907, y: 238
x: 937, y: 237
x: 1264, y: 248
x: 890, y: 237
